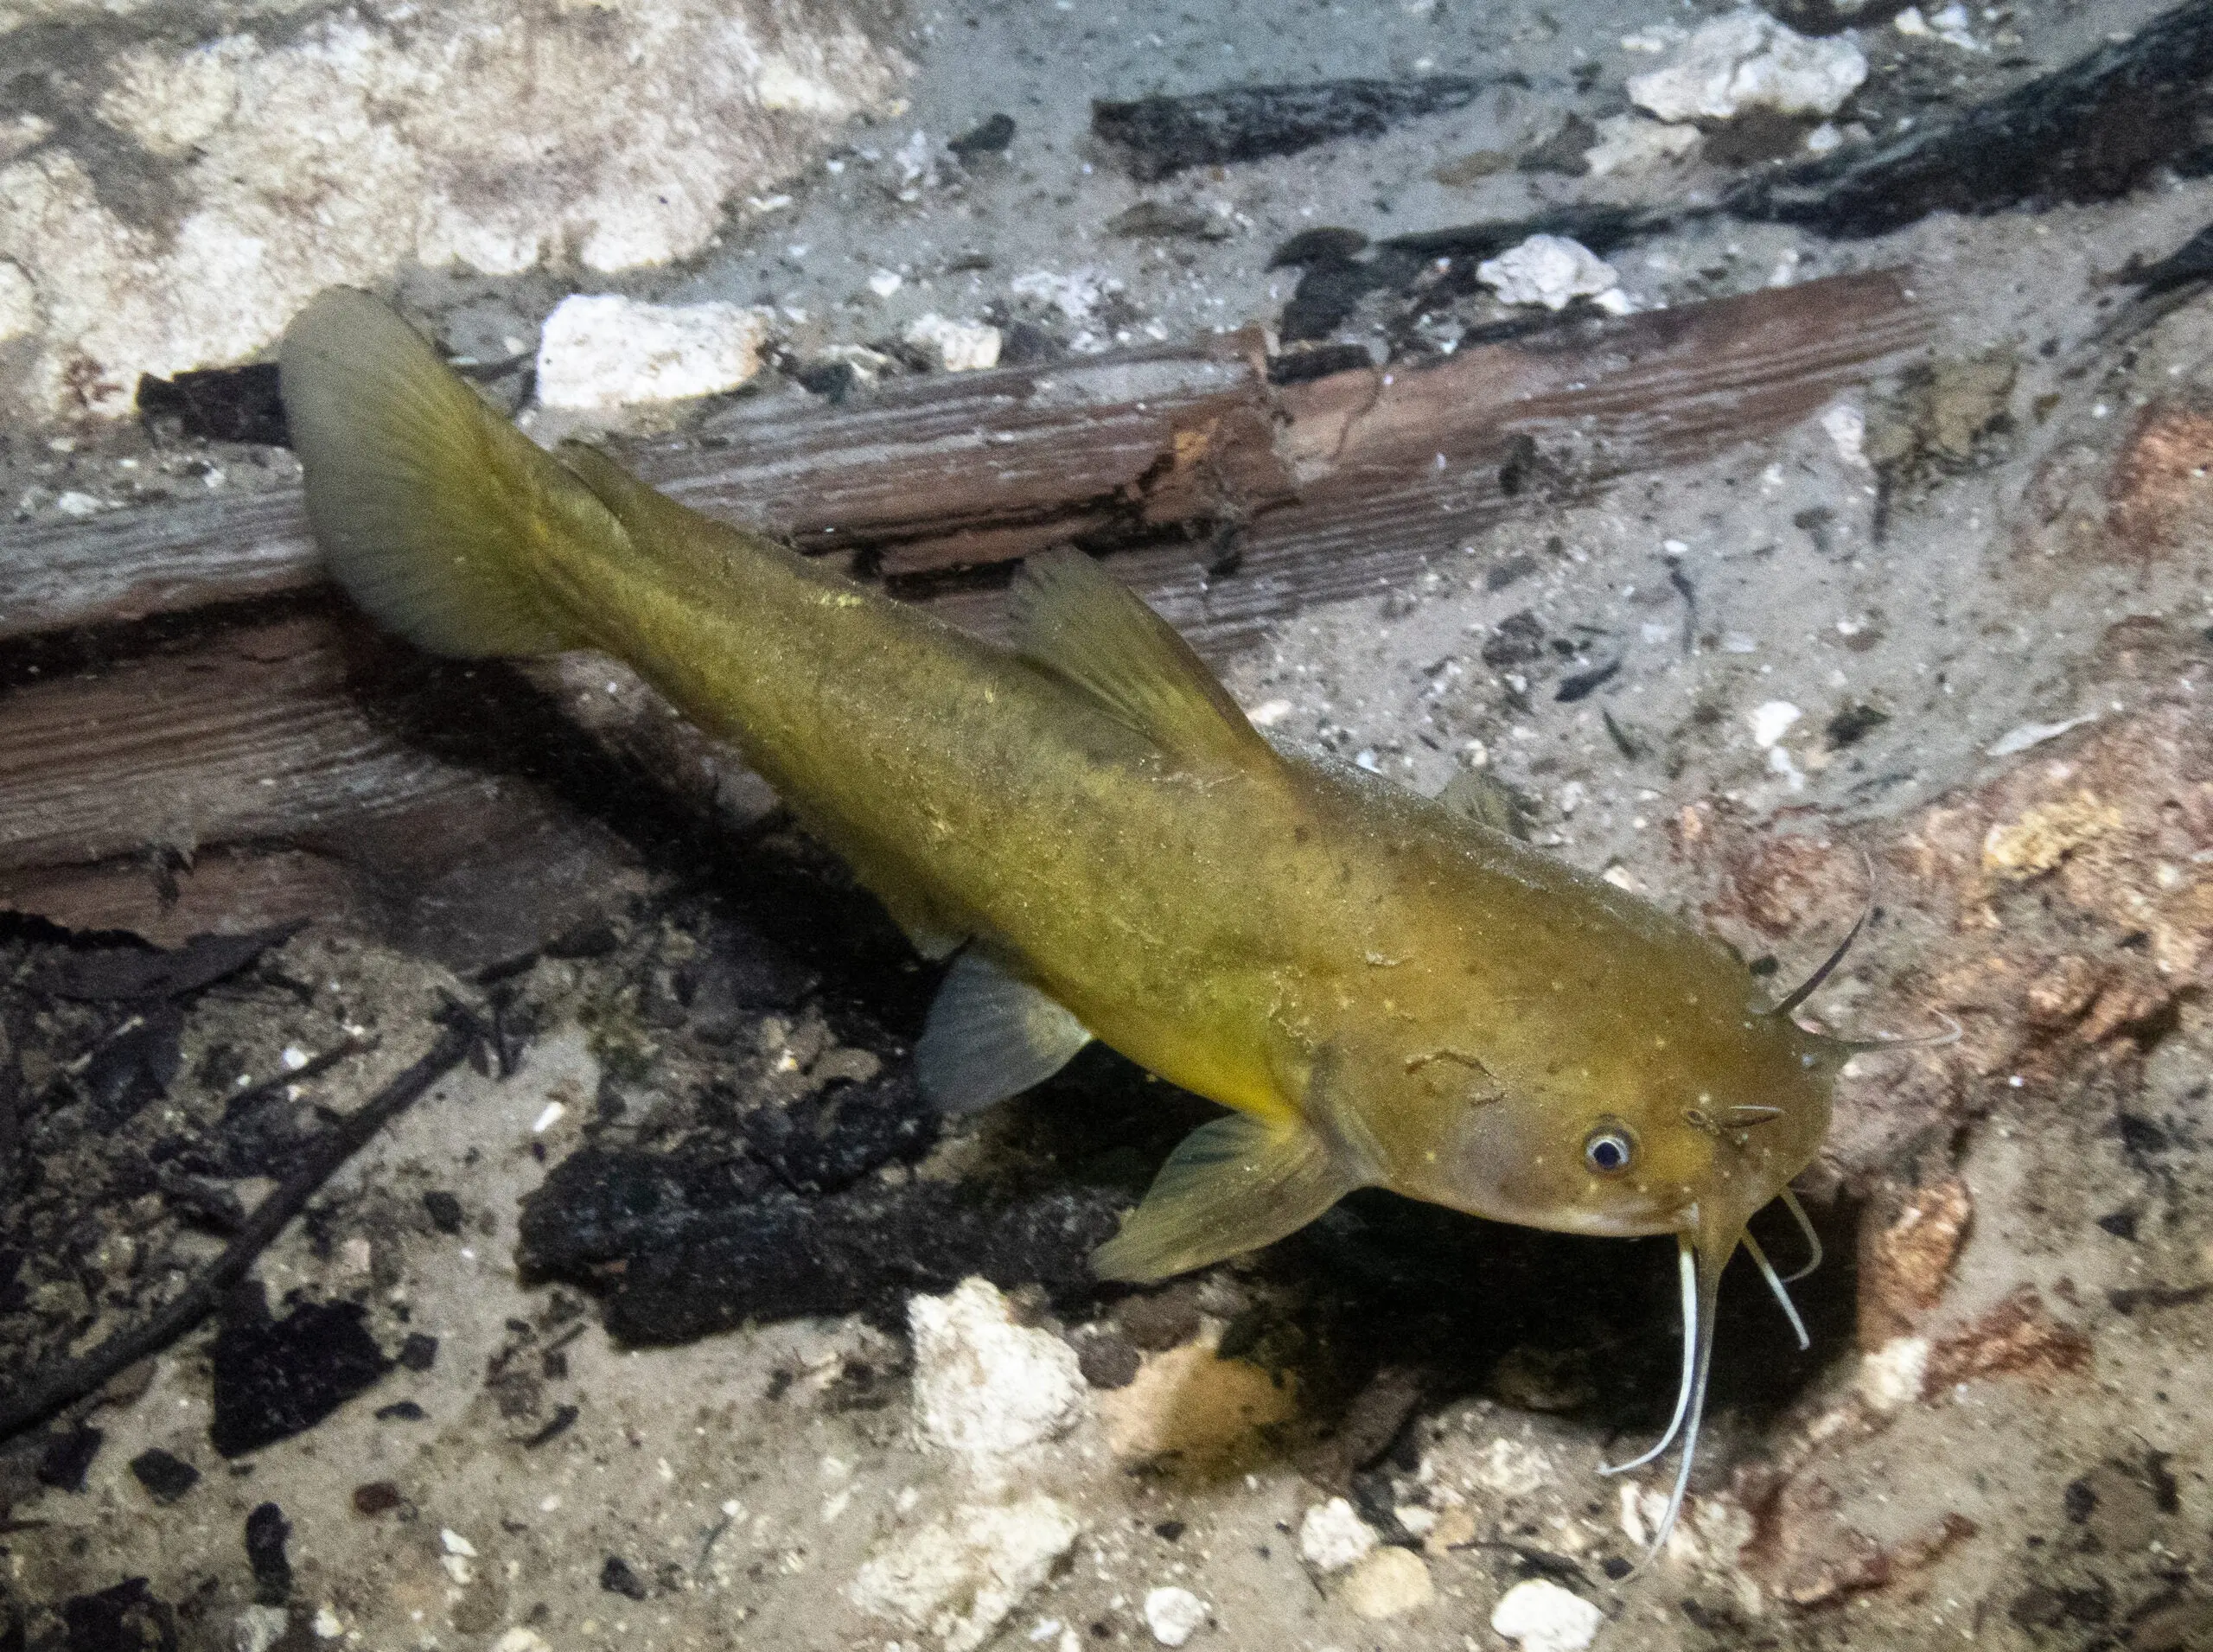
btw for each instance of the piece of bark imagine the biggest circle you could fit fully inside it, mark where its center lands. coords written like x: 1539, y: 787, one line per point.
x: 2090, y: 131
x: 1905, y: 1263
x: 293, y: 769
x: 1159, y: 135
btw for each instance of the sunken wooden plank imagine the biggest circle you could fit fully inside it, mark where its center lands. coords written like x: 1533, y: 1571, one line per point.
x: 288, y: 768
x: 1016, y: 458
x: 1337, y: 478
x: 1398, y: 468
x: 302, y: 767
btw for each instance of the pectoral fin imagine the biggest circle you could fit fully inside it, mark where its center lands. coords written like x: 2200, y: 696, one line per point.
x: 990, y: 1037
x: 1234, y: 1185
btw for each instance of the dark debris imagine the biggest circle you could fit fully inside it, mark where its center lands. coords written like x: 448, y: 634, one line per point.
x: 275, y: 1378
x: 1162, y: 135
x: 219, y: 404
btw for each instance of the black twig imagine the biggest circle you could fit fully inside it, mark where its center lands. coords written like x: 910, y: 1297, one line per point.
x: 67, y: 1382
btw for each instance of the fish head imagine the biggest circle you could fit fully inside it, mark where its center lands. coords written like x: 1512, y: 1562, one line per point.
x: 1683, y: 1123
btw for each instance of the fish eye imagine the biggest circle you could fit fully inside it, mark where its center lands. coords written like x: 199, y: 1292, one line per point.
x: 1609, y: 1150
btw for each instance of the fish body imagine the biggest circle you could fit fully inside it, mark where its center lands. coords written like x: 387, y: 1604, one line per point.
x: 1384, y: 991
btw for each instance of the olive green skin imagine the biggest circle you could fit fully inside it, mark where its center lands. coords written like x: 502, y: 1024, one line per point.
x: 1454, y: 1011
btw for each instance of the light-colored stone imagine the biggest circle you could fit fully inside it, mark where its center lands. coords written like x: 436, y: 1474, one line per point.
x: 1541, y: 1616
x: 1076, y: 294
x: 256, y: 1629
x: 1512, y: 1468
x: 1189, y: 1405
x: 1632, y: 143
x: 279, y: 159
x: 1771, y: 720
x: 1388, y: 1583
x: 1847, y: 427
x: 600, y: 350
x: 1333, y: 1536
x: 1747, y: 61
x: 1547, y: 270
x: 986, y: 1388
x: 959, y: 346
x: 18, y: 302
x: 1173, y: 1615
x: 958, y: 1578
x: 520, y: 1639
x: 1454, y: 1527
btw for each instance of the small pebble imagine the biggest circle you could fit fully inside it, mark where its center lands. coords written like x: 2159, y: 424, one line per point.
x: 1173, y: 1615
x: 166, y: 1476
x: 1159, y: 1322
x: 1333, y: 1536
x: 376, y: 1497
x: 1388, y: 1583
x: 1541, y: 1616
x: 1107, y: 1361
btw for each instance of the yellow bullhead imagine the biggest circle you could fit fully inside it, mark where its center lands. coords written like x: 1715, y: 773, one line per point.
x: 1384, y: 991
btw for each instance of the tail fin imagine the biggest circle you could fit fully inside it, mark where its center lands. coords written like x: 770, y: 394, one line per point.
x: 434, y: 512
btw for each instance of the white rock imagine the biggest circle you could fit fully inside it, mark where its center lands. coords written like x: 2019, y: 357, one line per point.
x: 1416, y: 1520
x: 256, y: 1629
x: 1910, y: 22
x: 961, y: 1577
x: 867, y: 365
x: 1388, y: 1583
x: 986, y: 1388
x: 356, y: 141
x: 1632, y: 143
x: 520, y: 1639
x: 1075, y: 294
x: 1333, y: 1536
x: 1173, y: 1615
x: 1771, y: 720
x: 1542, y: 1616
x: 884, y: 283
x: 454, y: 1543
x: 602, y: 351
x: 959, y: 346
x: 1511, y: 1468
x: 1890, y: 1377
x: 2035, y: 734
x: 915, y: 161
x: 1748, y: 60
x: 1547, y: 270
x: 18, y: 302
x: 1847, y: 429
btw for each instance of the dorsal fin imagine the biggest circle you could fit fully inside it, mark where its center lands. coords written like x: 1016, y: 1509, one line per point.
x: 1078, y: 621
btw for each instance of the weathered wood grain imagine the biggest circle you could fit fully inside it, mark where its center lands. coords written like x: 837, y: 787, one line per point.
x: 1335, y: 481
x: 283, y: 767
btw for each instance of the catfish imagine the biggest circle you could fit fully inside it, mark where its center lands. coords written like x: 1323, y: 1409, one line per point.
x: 1382, y: 991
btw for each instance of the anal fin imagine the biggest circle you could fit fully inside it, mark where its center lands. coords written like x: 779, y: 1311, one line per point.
x: 1233, y: 1186
x: 990, y: 1037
